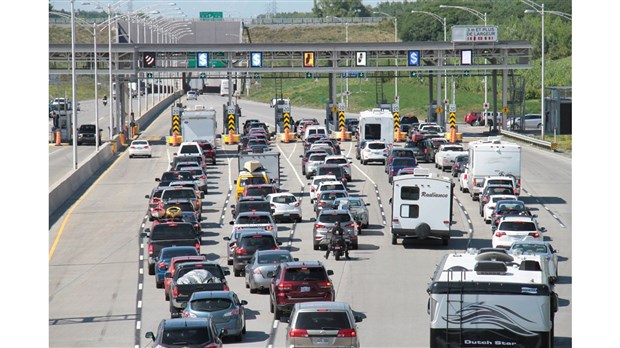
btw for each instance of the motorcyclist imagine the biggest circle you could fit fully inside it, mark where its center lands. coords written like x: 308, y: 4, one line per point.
x: 338, y: 237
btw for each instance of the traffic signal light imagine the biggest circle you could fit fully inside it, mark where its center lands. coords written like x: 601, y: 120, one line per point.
x: 308, y: 75
x: 149, y: 75
x: 414, y: 74
x: 148, y: 60
x: 203, y: 75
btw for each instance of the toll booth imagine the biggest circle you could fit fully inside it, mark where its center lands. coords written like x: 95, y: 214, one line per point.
x: 280, y: 107
x: 61, y: 115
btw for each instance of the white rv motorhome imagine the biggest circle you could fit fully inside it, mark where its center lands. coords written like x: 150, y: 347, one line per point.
x: 488, y: 298
x: 421, y: 206
x: 492, y: 157
x: 377, y: 124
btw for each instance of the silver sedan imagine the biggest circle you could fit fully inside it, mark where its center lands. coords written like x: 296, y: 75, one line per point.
x: 259, y: 271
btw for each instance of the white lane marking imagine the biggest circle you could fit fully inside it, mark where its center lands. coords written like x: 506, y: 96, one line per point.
x: 140, y: 286
x: 367, y: 177
x: 139, y: 304
x: 141, y: 270
x: 292, y: 151
x: 350, y: 148
x: 275, y: 323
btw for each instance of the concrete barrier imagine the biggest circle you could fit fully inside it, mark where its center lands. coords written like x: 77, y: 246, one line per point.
x: 71, y: 183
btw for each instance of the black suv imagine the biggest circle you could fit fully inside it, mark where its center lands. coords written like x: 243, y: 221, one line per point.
x: 87, y: 133
x: 299, y: 281
x: 247, y: 244
x: 251, y: 204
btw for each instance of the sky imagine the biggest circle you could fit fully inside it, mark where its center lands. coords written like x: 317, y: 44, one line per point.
x: 233, y: 9
x: 594, y: 82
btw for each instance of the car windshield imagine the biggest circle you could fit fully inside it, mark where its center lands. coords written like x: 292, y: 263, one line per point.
x: 172, y: 176
x: 530, y: 248
x: 317, y: 157
x: 404, y: 162
x: 333, y: 218
x: 337, y: 171
x: 189, y: 149
x: 376, y: 146
x: 354, y: 203
x: 331, y: 187
x: 517, y: 226
x: 305, y: 274
x: 195, y: 172
x: 330, y: 196
x: 284, y: 199
x: 252, y: 180
x: 253, y: 206
x: 185, y: 336
x: 499, y: 191
x: 211, y: 304
x: 253, y: 219
x: 172, y: 231
x: 138, y: 142
x: 337, y: 160
x: 517, y: 205
x: 258, y: 242
x: 322, y: 320
x: 168, y: 253
x: 168, y: 194
x: 274, y: 258
x: 259, y: 191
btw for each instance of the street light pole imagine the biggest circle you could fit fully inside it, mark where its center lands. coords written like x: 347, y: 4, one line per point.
x: 96, y: 88
x: 395, y: 59
x: 74, y: 90
x: 482, y: 16
x: 442, y: 20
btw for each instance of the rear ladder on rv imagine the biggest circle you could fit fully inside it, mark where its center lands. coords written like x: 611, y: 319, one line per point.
x: 459, y: 303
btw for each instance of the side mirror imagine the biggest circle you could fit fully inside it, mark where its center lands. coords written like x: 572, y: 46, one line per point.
x: 147, y: 230
x: 226, y: 238
x: 231, y: 223
x: 279, y: 243
x: 542, y: 229
x: 147, y: 196
x: 330, y: 272
x: 157, y: 179
x: 367, y: 204
x: 244, y: 302
x: 235, y: 182
x: 150, y: 335
x: 295, y: 259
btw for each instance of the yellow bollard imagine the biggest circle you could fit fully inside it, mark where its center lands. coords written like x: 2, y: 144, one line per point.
x: 342, y: 135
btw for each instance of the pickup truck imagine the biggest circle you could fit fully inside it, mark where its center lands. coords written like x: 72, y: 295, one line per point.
x: 86, y: 134
x: 169, y: 234
x: 444, y: 157
x: 190, y: 277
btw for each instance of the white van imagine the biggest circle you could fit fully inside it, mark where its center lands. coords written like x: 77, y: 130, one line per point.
x: 421, y: 206
x: 224, y: 88
x: 315, y: 129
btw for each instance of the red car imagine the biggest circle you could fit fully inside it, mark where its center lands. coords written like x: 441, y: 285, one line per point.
x: 208, y: 151
x: 299, y: 281
x: 473, y: 117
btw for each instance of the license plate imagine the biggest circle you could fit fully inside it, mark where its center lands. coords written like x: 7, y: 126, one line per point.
x: 320, y: 340
x: 304, y: 289
x: 287, y: 214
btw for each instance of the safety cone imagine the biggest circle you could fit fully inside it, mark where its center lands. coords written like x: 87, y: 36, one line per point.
x: 58, y: 138
x: 230, y: 137
x: 286, y: 131
x: 342, y: 135
x: 175, y: 140
x: 399, y: 135
x: 452, y: 135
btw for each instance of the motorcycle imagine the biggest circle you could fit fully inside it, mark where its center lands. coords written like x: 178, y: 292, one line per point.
x: 338, y: 247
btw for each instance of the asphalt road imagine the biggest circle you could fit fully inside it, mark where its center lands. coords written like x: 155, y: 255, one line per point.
x: 100, y: 294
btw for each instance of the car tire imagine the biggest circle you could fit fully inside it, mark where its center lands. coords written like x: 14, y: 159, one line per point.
x: 166, y: 296
x: 253, y: 290
x: 277, y: 313
x: 214, y: 161
x: 445, y: 241
x: 298, y: 220
x: 315, y: 246
x: 394, y: 240
x: 271, y: 304
x: 159, y: 285
x: 130, y: 156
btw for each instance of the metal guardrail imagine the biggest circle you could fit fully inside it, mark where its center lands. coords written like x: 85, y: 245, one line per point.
x: 529, y: 139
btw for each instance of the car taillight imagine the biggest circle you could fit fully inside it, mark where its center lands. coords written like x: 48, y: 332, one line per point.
x: 319, y: 226
x: 197, y: 226
x: 534, y: 234
x: 350, y: 225
x: 198, y: 247
x: 163, y: 265
x: 233, y: 245
x: 203, y: 177
x: 241, y: 251
x: 347, y: 333
x: 312, y: 189
x: 485, y: 199
x: 285, y: 286
x: 297, y: 333
x: 150, y: 249
x: 212, y: 345
x: 392, y: 171
x: 395, y: 220
x: 256, y: 271
x: 499, y: 234
x: 175, y: 292
x: 146, y: 147
x: 132, y: 147
x: 325, y: 285
x: 297, y: 204
x: 321, y: 203
x: 268, y: 228
x: 475, y: 181
x: 226, y: 288
x: 231, y: 313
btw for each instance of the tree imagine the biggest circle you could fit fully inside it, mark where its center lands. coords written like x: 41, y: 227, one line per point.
x: 339, y: 8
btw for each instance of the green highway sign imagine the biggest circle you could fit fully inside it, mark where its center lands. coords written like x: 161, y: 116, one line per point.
x: 209, y: 16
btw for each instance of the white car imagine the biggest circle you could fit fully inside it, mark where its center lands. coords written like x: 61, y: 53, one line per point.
x: 284, y: 206
x: 374, y: 151
x: 192, y: 95
x: 334, y: 185
x: 488, y: 208
x: 463, y: 180
x: 140, y: 148
x: 315, y: 184
x: 516, y: 228
x: 343, y: 161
